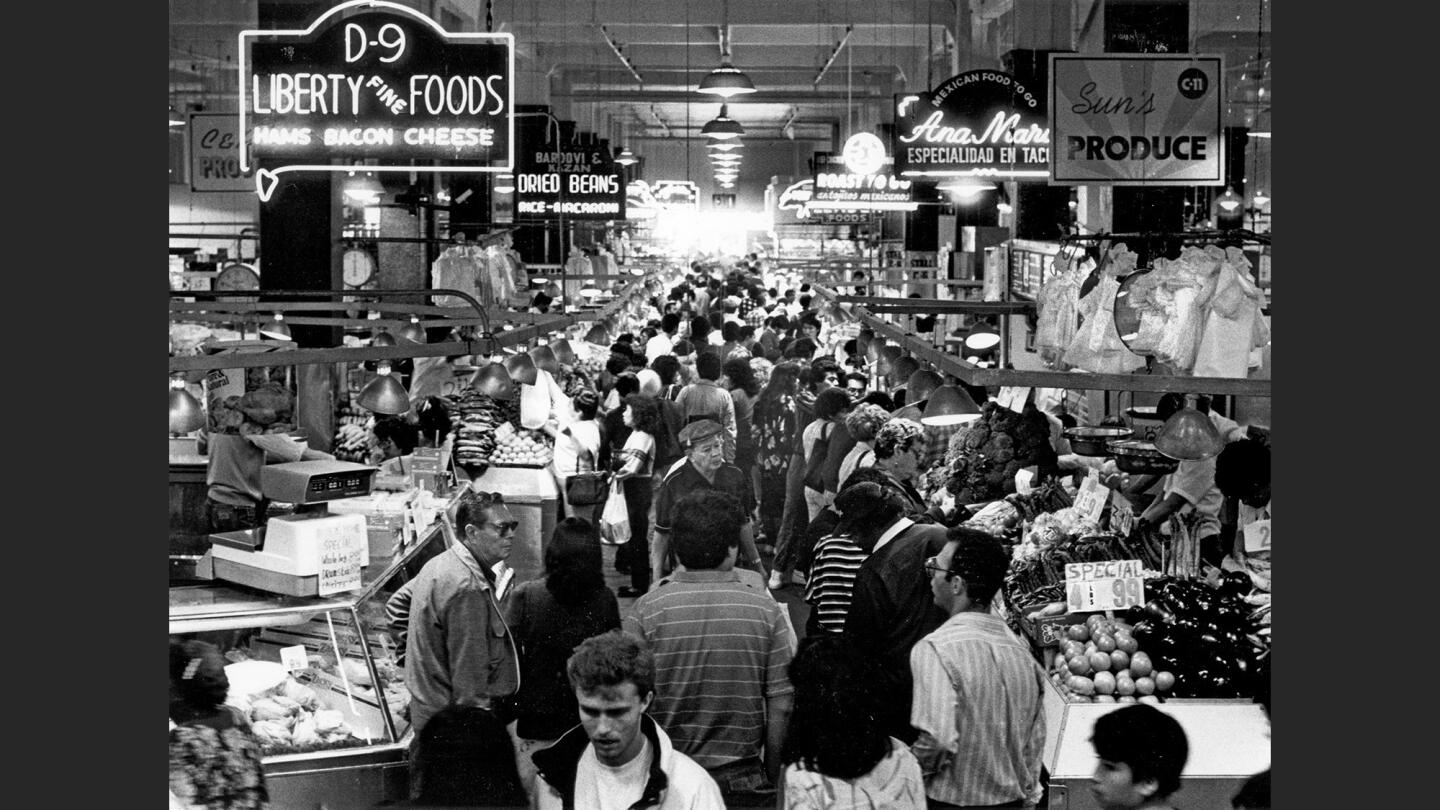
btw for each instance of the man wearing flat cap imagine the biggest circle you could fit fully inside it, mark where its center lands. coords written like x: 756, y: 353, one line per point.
x: 704, y: 468
x: 891, y: 607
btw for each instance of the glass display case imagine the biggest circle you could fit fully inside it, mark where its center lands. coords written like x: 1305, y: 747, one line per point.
x: 321, y: 678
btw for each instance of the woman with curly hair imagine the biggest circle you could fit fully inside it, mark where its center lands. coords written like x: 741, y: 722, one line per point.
x: 549, y: 617
x: 863, y: 423
x: 774, y: 424
x: 635, y: 464
x: 899, y: 444
x: 836, y: 754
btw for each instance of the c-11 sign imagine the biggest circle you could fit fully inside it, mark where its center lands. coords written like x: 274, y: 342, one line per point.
x: 375, y: 81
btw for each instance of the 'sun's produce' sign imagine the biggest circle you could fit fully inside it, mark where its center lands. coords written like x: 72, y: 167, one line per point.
x: 379, y: 82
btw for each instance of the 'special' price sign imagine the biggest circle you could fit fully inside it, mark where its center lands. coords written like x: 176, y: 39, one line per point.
x: 1104, y: 585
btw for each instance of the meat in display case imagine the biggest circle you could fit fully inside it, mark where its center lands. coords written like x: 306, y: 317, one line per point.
x: 320, y: 678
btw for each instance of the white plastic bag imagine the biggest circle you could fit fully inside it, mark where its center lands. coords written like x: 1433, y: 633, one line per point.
x: 615, y: 518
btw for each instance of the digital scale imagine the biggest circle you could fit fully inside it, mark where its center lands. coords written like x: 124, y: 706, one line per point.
x: 312, y: 552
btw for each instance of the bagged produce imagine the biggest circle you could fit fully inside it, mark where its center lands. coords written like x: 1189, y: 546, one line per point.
x: 615, y: 519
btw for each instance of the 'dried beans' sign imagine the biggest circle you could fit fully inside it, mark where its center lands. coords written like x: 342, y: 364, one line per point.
x: 376, y: 82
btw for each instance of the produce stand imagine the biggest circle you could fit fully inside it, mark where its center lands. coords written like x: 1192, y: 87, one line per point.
x: 1229, y: 742
x: 352, y: 676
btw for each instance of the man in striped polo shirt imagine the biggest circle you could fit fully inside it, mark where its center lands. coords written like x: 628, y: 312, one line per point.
x: 722, y: 649
x: 837, y: 558
x: 977, y: 698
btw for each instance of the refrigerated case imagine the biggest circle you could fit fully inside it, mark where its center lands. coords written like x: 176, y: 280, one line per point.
x: 352, y: 670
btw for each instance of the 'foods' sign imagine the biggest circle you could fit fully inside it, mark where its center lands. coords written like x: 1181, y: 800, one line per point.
x: 375, y: 81
x: 981, y: 122
x: 1152, y: 119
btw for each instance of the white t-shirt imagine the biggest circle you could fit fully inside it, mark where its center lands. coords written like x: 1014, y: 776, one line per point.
x: 602, y: 787
x: 658, y: 345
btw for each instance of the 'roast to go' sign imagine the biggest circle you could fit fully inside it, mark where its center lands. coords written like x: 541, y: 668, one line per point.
x: 377, y: 82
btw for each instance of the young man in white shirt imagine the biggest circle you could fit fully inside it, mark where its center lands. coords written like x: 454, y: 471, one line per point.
x: 618, y: 758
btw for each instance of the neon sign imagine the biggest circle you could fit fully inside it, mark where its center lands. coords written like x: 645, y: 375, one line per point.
x: 838, y: 187
x: 981, y: 122
x: 377, y: 82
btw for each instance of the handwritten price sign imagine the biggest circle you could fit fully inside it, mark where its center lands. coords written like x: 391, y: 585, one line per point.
x: 1109, y: 585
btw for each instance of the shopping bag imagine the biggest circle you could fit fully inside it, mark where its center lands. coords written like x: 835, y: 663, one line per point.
x: 615, y: 517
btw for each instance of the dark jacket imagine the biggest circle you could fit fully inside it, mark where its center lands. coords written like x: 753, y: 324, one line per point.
x: 891, y: 609
x: 558, y: 763
x: 546, y: 633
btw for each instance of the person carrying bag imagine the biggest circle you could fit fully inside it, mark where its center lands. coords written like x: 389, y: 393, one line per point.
x: 615, y: 519
x: 587, y: 488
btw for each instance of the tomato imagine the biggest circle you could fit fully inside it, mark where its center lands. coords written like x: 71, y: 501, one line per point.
x: 1126, y: 642
x: 1105, y: 699
x: 1145, y: 686
x: 1059, y: 660
x: 1124, y: 684
x: 1072, y: 647
x: 1081, y: 685
x: 1095, y: 621
x: 1125, y: 699
x: 1151, y: 699
x: 1104, y: 642
x: 1079, y: 664
x: 1099, y: 661
x: 1104, y: 683
x: 1119, y: 661
x: 1079, y: 632
x: 1164, y: 681
x: 1140, y: 664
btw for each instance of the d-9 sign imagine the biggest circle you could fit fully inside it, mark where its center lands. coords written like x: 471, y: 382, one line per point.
x: 390, y: 37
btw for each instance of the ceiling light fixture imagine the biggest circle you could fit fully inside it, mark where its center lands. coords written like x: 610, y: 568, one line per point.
x: 413, y: 331
x: 277, y: 329
x: 723, y: 126
x: 949, y: 405
x: 724, y: 146
x: 725, y: 81
x: 965, y: 188
x: 363, y: 188
x: 185, y: 411
x: 384, y: 394
x: 1229, y: 200
x: 626, y: 157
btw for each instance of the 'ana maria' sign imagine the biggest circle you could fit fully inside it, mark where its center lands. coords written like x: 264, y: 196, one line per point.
x: 379, y: 82
x: 981, y: 122
x: 1152, y: 119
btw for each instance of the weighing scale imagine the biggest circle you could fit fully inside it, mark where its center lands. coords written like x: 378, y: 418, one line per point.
x: 309, y: 553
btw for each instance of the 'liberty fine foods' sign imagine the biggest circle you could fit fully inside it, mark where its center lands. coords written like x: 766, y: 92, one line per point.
x: 377, y: 82
x: 981, y: 122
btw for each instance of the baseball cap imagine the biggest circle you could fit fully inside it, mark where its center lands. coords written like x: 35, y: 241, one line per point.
x: 699, y: 431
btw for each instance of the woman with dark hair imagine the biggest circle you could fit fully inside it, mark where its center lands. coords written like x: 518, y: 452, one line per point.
x: 836, y: 754
x: 738, y: 378
x: 774, y: 424
x: 549, y: 617
x: 668, y: 367
x: 831, y: 407
x: 635, y: 463
x: 464, y: 758
x: 214, y: 758
x: 578, y: 448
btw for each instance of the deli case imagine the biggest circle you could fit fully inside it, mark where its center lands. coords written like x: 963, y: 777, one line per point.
x: 320, y: 677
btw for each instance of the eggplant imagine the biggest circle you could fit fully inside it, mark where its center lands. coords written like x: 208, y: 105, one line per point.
x: 1160, y: 609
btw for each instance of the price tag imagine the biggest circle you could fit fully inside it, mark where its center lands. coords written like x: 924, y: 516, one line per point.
x: 1122, y: 515
x: 342, y: 555
x: 425, y: 468
x: 1105, y: 585
x: 1091, y: 497
x: 1257, y: 536
x: 1013, y: 398
x: 293, y: 658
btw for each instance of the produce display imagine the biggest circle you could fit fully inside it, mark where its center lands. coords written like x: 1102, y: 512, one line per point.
x: 1101, y: 661
x: 476, y: 417
x: 267, y: 409
x: 352, y: 434
x: 1210, y: 636
x: 521, y: 448
x: 985, y: 454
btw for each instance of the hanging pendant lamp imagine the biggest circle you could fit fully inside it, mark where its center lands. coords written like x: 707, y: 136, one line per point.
x: 413, y: 331
x: 1189, y: 435
x: 277, y: 329
x: 384, y: 394
x: 949, y: 405
x: 564, y: 352
x: 626, y: 157
x: 723, y: 145
x: 521, y: 368
x: 494, y: 381
x: 544, y: 357
x: 383, y: 338
x: 185, y: 411
x: 722, y: 126
x: 726, y: 81
x: 982, y: 336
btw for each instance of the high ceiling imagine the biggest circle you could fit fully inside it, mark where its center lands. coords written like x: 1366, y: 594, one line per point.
x: 627, y: 69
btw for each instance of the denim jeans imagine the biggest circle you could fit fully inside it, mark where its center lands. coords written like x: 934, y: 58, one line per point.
x: 793, y: 520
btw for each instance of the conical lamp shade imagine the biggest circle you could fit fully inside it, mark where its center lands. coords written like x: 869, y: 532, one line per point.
x: 384, y: 394
x: 564, y: 352
x: 949, y: 405
x: 276, y: 329
x: 544, y: 357
x: 413, y: 331
x: 521, y: 368
x: 1189, y: 435
x: 598, y: 335
x: 185, y: 412
x: 726, y: 81
x: 722, y: 126
x: 383, y: 339
x: 983, y: 336
x: 494, y: 381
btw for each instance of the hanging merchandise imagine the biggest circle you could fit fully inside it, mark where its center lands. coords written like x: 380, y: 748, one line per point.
x: 1234, y: 324
x: 459, y: 267
x: 1096, y: 346
x: 1058, y: 305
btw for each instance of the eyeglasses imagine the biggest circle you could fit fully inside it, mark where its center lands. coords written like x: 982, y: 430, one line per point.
x: 932, y: 566
x: 505, y: 527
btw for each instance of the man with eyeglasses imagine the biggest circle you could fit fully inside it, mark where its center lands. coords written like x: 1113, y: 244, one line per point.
x: 977, y: 688
x: 458, y: 648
